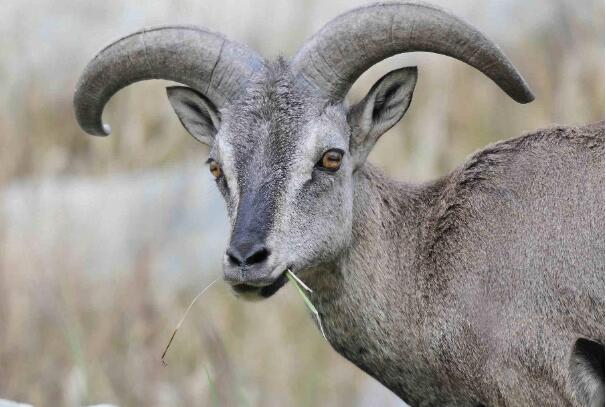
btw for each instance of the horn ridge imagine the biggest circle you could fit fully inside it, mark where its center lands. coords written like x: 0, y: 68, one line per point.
x: 332, y: 59
x: 191, y: 55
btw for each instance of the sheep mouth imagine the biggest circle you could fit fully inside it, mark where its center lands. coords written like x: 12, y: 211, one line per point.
x: 250, y: 291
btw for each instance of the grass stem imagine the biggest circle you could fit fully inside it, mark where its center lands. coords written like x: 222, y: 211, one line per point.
x: 183, y: 318
x: 298, y: 284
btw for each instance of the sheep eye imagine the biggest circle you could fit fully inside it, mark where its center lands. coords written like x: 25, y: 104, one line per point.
x: 331, y: 160
x: 215, y: 169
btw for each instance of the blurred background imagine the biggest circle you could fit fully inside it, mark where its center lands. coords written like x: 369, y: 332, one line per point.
x: 103, y: 242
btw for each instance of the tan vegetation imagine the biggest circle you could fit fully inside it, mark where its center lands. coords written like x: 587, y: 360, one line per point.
x: 69, y: 338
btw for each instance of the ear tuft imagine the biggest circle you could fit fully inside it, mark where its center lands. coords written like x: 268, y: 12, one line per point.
x: 198, y: 115
x: 381, y: 109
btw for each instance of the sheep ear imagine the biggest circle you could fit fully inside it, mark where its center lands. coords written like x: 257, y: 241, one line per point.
x: 198, y: 115
x: 380, y: 110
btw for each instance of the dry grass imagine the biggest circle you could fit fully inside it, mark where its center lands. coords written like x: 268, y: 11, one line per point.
x: 68, y: 342
x: 69, y: 338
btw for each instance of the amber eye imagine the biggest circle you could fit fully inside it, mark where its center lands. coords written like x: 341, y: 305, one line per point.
x: 331, y: 160
x: 215, y: 169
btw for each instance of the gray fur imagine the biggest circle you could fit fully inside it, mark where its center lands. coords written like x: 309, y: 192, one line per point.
x: 464, y: 291
x: 473, y: 289
x: 470, y: 290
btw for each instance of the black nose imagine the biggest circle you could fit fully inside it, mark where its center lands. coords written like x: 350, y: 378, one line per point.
x: 247, y: 253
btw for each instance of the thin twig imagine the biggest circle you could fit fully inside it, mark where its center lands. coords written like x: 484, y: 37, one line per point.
x: 183, y: 318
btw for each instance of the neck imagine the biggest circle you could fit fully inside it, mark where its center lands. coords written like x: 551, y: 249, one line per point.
x: 369, y: 301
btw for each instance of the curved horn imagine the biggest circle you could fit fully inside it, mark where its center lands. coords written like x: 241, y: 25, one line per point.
x: 343, y: 49
x: 193, y: 56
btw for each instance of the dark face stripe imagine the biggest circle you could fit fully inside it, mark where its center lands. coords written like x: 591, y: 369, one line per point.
x: 255, y: 215
x: 264, y: 139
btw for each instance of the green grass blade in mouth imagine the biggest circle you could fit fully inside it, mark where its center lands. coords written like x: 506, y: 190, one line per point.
x: 299, y: 284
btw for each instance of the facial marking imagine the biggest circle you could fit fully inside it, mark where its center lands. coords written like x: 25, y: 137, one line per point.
x: 227, y: 159
x: 270, y: 143
x: 314, y: 138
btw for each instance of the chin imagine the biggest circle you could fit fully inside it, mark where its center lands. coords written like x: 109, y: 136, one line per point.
x: 253, y: 293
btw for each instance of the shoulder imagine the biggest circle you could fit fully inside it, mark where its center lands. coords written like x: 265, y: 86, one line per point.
x: 515, y: 160
x: 549, y: 142
x: 509, y: 171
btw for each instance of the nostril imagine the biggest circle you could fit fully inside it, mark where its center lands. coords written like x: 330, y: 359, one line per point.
x: 247, y: 254
x: 259, y: 255
x: 234, y: 258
